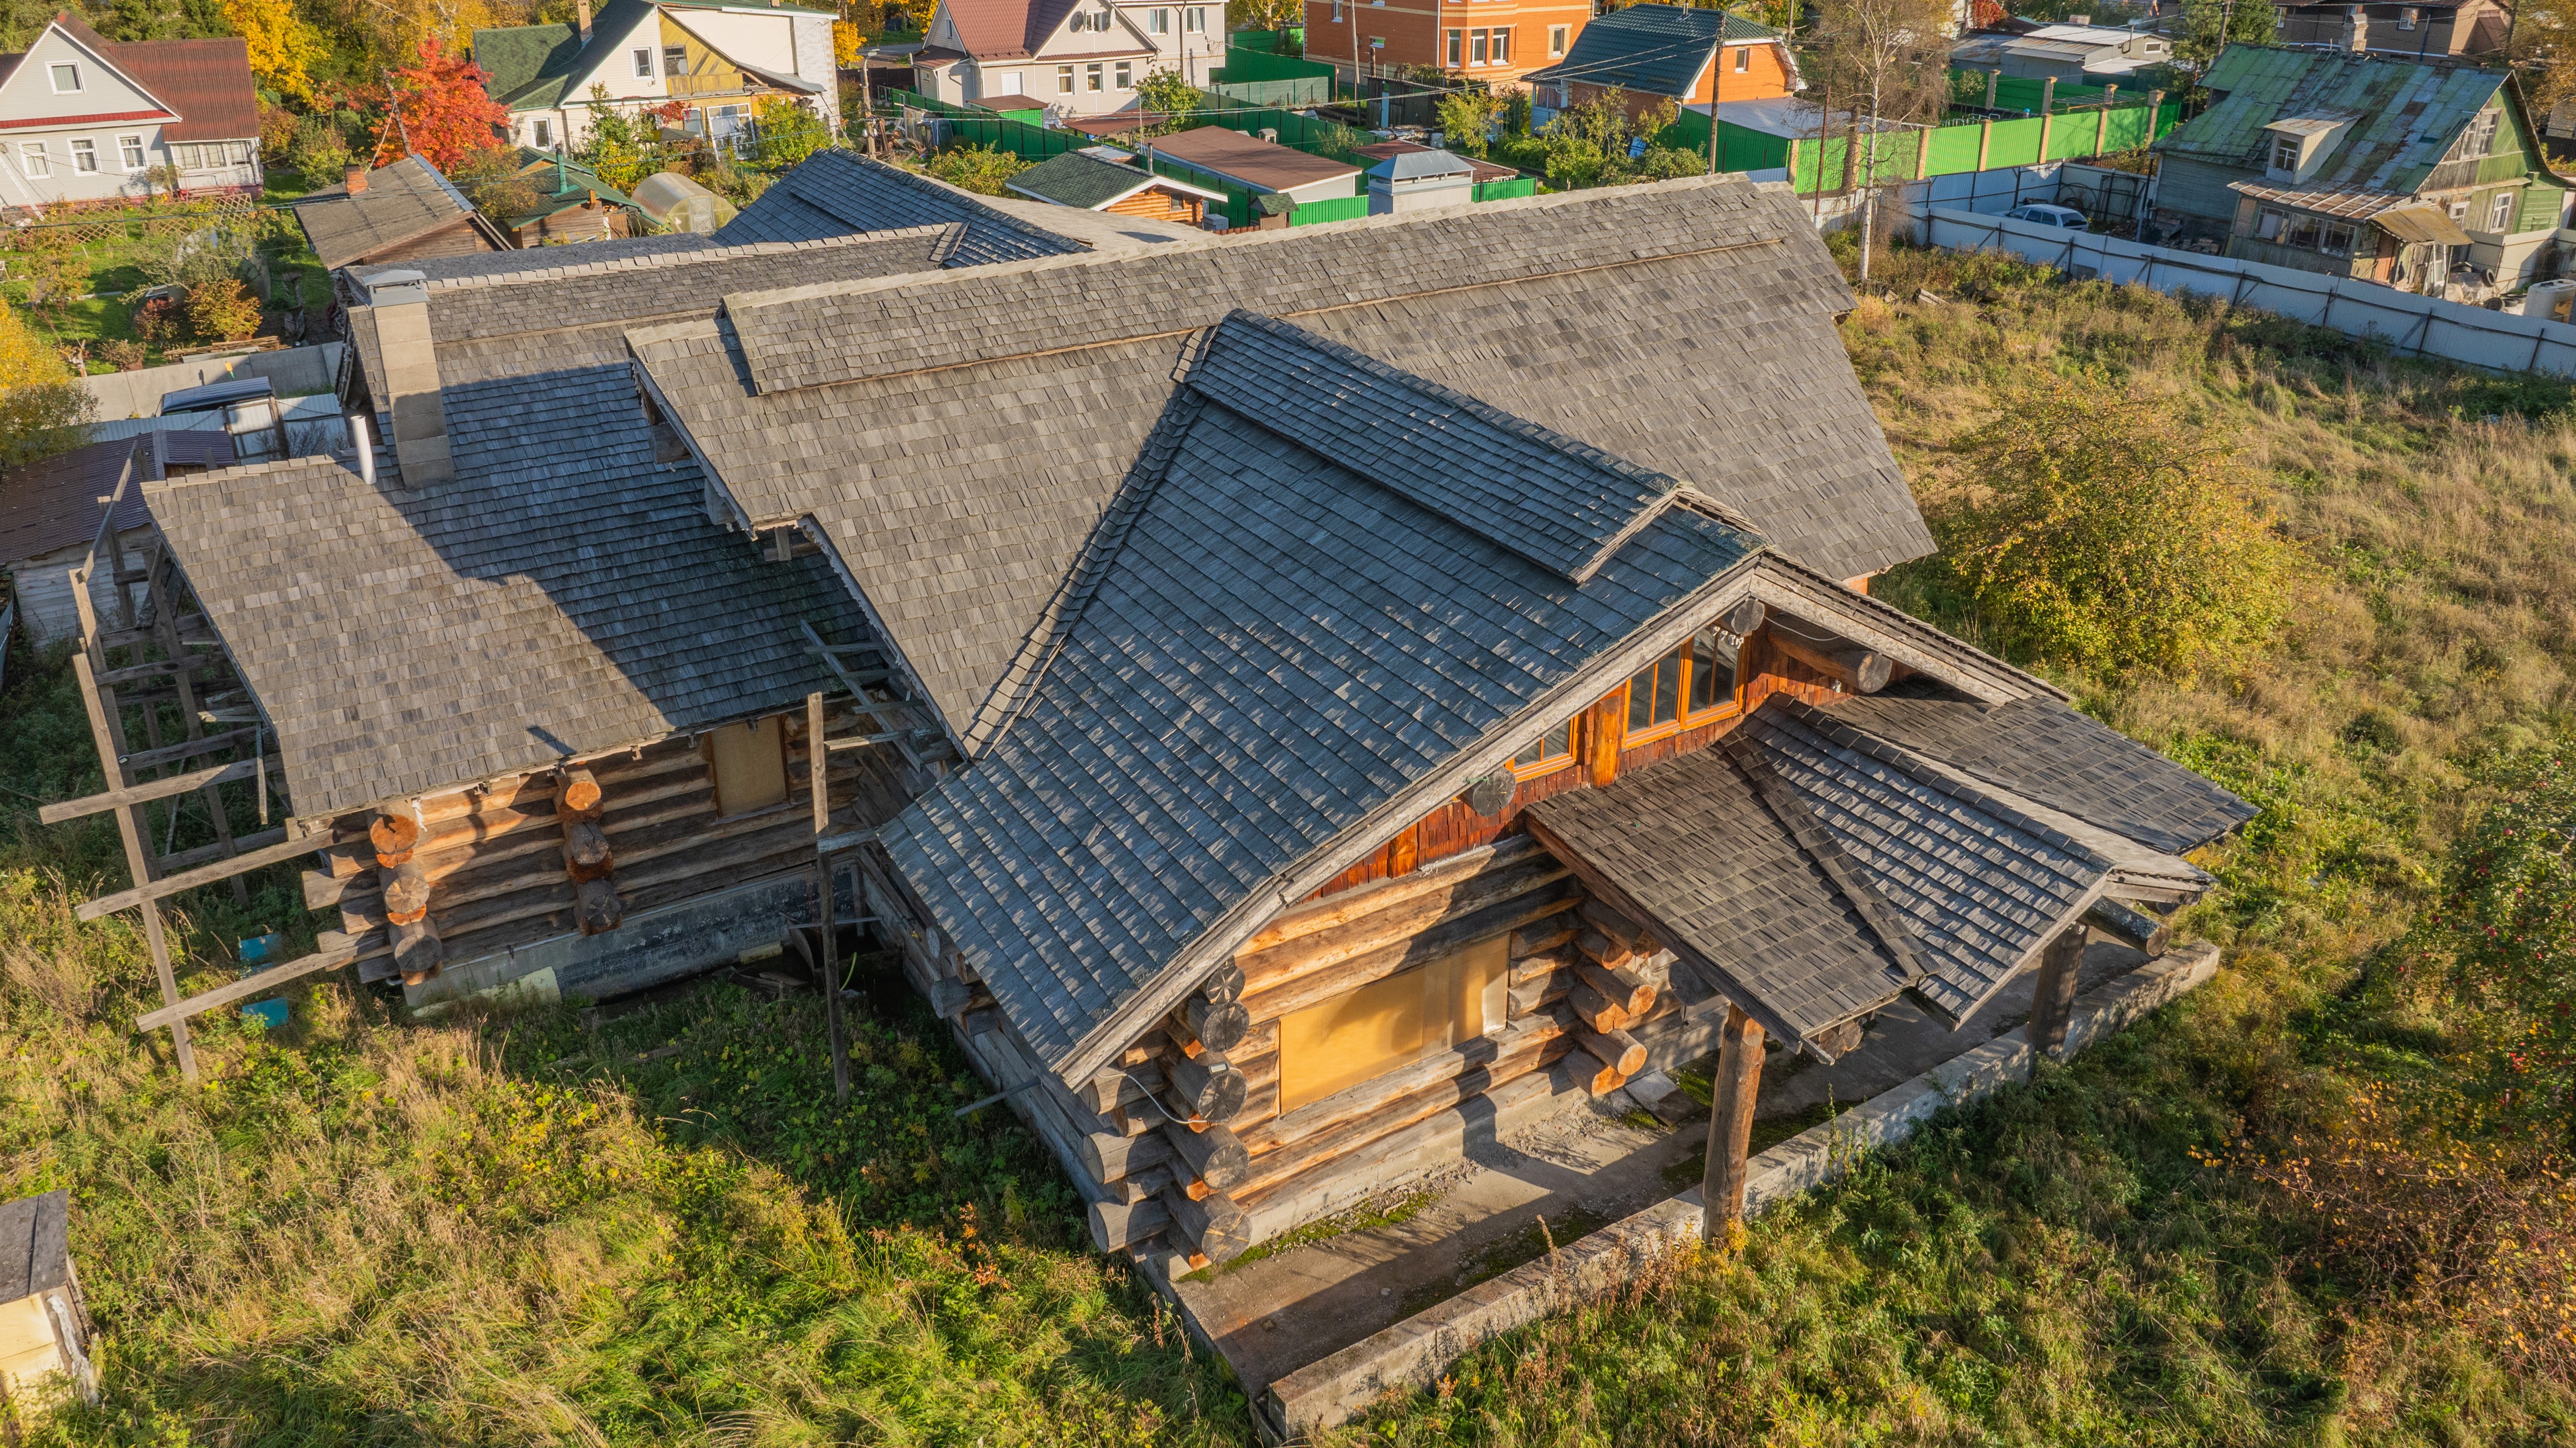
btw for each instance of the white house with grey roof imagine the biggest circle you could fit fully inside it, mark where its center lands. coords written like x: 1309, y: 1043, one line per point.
x: 1285, y: 744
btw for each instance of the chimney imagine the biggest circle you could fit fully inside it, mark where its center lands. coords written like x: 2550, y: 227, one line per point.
x: 356, y: 179
x: 2356, y: 29
x: 582, y: 9
x: 409, y: 388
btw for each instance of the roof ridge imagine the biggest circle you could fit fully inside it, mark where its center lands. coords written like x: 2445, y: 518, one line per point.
x: 1875, y: 910
x: 659, y: 260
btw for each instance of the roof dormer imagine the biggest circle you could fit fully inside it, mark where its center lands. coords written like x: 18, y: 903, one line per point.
x: 2296, y: 147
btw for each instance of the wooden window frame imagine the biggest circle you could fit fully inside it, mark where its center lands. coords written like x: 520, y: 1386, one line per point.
x: 1733, y: 701
x: 1573, y: 727
x: 1630, y: 737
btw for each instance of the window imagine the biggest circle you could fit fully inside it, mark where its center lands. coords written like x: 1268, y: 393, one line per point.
x: 85, y: 156
x: 1743, y: 59
x: 129, y: 152
x: 1125, y: 76
x: 2500, y: 212
x: 2303, y: 232
x: 1007, y: 83
x: 749, y: 762
x: 2480, y: 137
x: 1552, y: 750
x: 1476, y: 42
x: 1457, y: 41
x: 1158, y: 22
x: 31, y: 156
x: 1064, y: 80
x: 1655, y: 695
x: 2285, y: 153
x: 644, y: 62
x: 2459, y: 209
x: 2338, y: 241
x: 1503, y: 45
x: 542, y: 131
x: 1389, y: 1024
x: 241, y: 153
x: 1194, y: 19
x: 189, y: 158
x: 1556, y: 40
x: 2407, y: 17
x: 1712, y: 672
x: 675, y: 60
x: 1091, y: 76
x: 1377, y: 42
x: 2268, y: 226
x: 66, y: 79
x: 1337, y: 12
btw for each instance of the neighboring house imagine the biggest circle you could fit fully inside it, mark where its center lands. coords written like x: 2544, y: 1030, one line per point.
x: 706, y: 62
x: 2470, y: 28
x: 1680, y: 53
x: 49, y: 518
x: 406, y: 211
x: 836, y: 193
x: 2067, y: 54
x: 1076, y: 57
x: 1496, y: 41
x: 1478, y: 171
x: 1260, y: 166
x: 85, y: 119
x: 1098, y: 178
x: 573, y: 204
x: 2415, y: 174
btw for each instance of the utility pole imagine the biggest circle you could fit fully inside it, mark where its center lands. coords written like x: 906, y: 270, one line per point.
x: 393, y: 102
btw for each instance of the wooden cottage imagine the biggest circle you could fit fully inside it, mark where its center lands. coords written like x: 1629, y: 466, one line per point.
x: 404, y: 211
x: 1323, y: 695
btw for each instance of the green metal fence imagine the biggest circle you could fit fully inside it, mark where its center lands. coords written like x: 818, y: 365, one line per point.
x: 1244, y: 66
x: 1941, y: 151
x: 1506, y: 190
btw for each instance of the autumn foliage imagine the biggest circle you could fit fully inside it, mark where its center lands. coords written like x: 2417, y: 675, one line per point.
x: 445, y: 113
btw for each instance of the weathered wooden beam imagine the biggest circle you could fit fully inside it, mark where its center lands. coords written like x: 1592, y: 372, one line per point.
x: 2134, y: 928
x: 1622, y: 987
x: 187, y: 749
x: 1730, y: 1128
x: 191, y: 858
x: 2052, y: 999
x: 1209, y: 1085
x: 405, y: 892
x: 1225, y: 986
x: 1107, y: 1156
x: 1593, y: 1008
x: 1863, y: 671
x: 1111, y: 1087
x: 1617, y: 1050
x: 1214, y: 1222
x: 190, y: 879
x: 244, y: 988
x: 598, y: 907
x: 417, y: 951
x: 1116, y: 1225
x: 72, y: 809
x: 1213, y: 1026
x: 104, y: 735
x: 394, y: 838
x: 1216, y: 1153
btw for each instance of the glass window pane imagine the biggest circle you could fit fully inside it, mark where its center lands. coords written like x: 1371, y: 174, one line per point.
x: 1712, y: 670
x: 1654, y: 696
x: 1553, y: 744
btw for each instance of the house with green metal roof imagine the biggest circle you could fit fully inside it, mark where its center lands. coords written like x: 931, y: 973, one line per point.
x: 702, y: 65
x: 2421, y: 175
x: 1650, y: 54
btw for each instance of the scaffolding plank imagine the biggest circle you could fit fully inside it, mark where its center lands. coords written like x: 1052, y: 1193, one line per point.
x: 202, y: 875
x: 72, y: 809
x: 244, y: 988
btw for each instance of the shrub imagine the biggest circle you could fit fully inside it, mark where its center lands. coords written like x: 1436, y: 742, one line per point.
x: 789, y: 132
x: 159, y: 319
x: 1467, y: 118
x: 123, y: 354
x: 318, y: 149
x: 277, y: 130
x: 2103, y: 533
x: 223, y: 310
x: 1165, y: 92
x: 973, y: 168
x: 2502, y: 934
x: 42, y: 410
x: 491, y: 181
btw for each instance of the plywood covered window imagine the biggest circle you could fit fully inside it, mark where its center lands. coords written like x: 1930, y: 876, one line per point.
x: 1390, y: 1024
x: 749, y: 762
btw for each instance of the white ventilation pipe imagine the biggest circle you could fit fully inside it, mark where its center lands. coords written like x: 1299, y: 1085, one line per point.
x: 365, y: 447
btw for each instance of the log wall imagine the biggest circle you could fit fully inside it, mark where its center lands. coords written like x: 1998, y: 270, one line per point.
x: 495, y: 854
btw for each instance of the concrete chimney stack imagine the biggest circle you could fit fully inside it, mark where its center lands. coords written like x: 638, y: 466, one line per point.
x: 410, y: 391
x: 582, y: 9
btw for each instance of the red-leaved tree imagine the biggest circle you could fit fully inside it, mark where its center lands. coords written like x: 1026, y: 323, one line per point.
x: 444, y: 111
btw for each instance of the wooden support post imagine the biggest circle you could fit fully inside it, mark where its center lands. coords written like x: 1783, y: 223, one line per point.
x: 2052, y: 1001
x: 1604, y: 726
x: 137, y: 860
x: 1730, y: 1127
x: 2102, y: 120
x: 2047, y: 116
x: 165, y: 628
x: 587, y: 859
x: 1985, y: 140
x: 1994, y: 78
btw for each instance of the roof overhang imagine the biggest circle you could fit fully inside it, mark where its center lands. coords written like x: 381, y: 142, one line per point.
x: 2421, y: 224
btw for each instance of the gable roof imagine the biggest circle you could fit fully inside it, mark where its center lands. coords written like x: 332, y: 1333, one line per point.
x: 1280, y: 637
x: 1817, y: 867
x: 526, y: 261
x: 1251, y: 160
x: 565, y: 593
x: 207, y: 81
x: 957, y: 460
x: 1089, y: 182
x: 836, y: 192
x: 529, y: 65
x: 1651, y: 49
x: 1482, y: 170
x: 2406, y: 113
x: 402, y: 202
x: 1006, y: 29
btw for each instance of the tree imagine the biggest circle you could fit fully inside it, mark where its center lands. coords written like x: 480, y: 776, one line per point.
x: 444, y: 112
x: 1467, y: 119
x: 490, y: 180
x: 847, y: 38
x: 1889, y: 62
x: 2209, y: 26
x: 283, y: 49
x: 620, y: 147
x: 2109, y: 535
x: 973, y: 168
x: 789, y: 131
x: 222, y: 309
x: 42, y: 409
x: 1264, y: 14
x: 2544, y: 55
x: 1163, y: 92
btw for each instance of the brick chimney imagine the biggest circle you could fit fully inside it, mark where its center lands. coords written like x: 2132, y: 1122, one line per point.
x: 582, y: 9
x: 356, y: 179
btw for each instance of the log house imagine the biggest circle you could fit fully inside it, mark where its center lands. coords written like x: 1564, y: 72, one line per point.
x: 1287, y: 743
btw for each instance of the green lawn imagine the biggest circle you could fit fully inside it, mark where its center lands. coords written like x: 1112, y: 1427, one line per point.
x: 659, y: 1227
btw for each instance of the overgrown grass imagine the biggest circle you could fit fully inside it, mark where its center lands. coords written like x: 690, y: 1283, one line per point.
x: 660, y: 1229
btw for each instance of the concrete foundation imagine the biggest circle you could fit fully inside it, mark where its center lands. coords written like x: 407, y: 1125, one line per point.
x: 650, y: 949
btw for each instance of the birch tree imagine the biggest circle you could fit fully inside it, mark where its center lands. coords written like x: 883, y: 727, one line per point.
x: 1888, y: 62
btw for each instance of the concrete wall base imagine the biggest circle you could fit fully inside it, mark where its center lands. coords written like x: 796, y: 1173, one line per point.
x: 1413, y: 1353
x: 650, y: 949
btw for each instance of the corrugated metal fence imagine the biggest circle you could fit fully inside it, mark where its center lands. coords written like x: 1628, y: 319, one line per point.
x: 2411, y: 325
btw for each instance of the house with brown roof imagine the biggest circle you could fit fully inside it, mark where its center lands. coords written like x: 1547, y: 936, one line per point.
x: 1259, y: 166
x: 49, y: 516
x: 405, y: 211
x: 1076, y: 57
x: 88, y: 119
